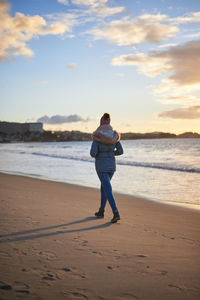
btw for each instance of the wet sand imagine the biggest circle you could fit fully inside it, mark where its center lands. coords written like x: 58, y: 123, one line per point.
x: 51, y: 246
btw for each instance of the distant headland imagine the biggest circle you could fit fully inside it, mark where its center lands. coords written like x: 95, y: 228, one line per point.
x: 34, y: 132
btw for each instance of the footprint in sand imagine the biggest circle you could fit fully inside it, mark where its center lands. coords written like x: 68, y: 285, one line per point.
x: 141, y: 255
x: 73, y: 272
x: 47, y: 254
x: 67, y: 269
x: 48, y: 276
x: 84, y: 243
x: 118, y: 256
x: 21, y: 287
x: 80, y: 294
x: 5, y: 286
x: 163, y: 272
x: 5, y: 254
x: 175, y: 286
x: 27, y: 292
x: 128, y: 296
x: 24, y: 270
x: 124, y: 255
x: 97, y: 253
x: 171, y: 238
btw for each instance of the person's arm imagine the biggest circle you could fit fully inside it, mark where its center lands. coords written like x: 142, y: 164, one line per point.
x: 119, y: 150
x: 94, y: 149
x: 101, y: 138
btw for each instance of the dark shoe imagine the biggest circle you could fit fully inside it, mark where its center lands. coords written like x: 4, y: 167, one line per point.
x: 116, y: 217
x: 100, y: 213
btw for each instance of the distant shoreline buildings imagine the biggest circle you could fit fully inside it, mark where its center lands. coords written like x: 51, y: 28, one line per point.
x: 12, y: 127
x: 33, y: 132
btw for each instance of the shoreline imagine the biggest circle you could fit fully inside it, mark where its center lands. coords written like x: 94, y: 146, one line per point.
x: 195, y: 207
x: 78, y: 136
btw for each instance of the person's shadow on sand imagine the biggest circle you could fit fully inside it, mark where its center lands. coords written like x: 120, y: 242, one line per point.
x: 29, y: 234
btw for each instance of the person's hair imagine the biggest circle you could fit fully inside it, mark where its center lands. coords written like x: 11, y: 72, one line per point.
x: 106, y: 116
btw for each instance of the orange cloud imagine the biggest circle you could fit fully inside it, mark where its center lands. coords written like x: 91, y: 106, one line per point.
x: 182, y: 61
x: 181, y: 65
x: 192, y: 112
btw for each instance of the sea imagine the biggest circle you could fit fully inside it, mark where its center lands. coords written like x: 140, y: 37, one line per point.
x: 162, y: 170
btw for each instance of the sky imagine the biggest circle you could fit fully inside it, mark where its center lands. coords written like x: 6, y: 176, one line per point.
x: 66, y: 62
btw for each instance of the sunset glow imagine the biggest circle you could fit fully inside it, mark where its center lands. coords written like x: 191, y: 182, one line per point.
x: 66, y: 62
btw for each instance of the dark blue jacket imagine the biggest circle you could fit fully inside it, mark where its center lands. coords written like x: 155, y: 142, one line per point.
x: 105, y: 156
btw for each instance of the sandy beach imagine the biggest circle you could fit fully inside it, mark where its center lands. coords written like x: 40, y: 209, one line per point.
x: 51, y: 246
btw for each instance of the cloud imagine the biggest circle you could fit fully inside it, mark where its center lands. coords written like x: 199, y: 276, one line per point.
x: 167, y: 45
x: 182, y: 62
x: 193, y: 35
x: 65, y: 2
x: 192, y: 112
x: 169, y: 92
x: 73, y: 66
x: 181, y: 67
x: 143, y: 29
x: 16, y: 31
x: 179, y: 97
x: 148, y: 65
x: 58, y: 119
x: 88, y: 2
x: 99, y: 7
x: 193, y: 17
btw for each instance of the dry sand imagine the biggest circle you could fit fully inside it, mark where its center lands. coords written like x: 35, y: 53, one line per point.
x: 51, y: 246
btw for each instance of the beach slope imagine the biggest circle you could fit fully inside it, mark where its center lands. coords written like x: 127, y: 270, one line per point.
x: 51, y: 246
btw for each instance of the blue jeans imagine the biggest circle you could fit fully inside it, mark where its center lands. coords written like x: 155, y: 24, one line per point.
x: 106, y: 190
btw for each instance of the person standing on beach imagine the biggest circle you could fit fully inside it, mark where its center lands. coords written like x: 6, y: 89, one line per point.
x: 104, y: 149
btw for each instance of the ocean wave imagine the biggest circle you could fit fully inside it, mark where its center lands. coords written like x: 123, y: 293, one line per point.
x: 65, y: 157
x: 161, y: 166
